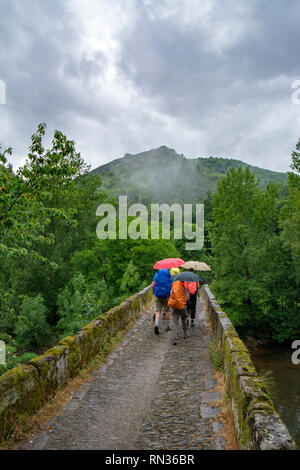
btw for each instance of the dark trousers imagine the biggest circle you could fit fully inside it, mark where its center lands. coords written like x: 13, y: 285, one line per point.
x: 191, y: 306
x: 176, y: 314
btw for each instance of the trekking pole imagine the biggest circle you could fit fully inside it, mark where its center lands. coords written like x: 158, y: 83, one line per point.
x: 152, y: 311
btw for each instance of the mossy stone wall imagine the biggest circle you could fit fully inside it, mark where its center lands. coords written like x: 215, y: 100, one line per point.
x: 258, y: 425
x: 24, y: 389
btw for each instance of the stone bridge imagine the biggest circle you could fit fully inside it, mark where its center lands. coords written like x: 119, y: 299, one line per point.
x: 149, y: 394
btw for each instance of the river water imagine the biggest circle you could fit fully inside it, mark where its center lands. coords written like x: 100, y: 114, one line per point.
x: 287, y: 403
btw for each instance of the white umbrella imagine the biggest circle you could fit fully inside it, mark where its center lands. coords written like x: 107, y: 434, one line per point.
x: 197, y: 265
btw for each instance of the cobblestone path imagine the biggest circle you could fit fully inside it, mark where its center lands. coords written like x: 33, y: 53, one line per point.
x: 150, y: 394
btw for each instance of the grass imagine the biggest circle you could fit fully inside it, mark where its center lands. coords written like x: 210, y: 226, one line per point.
x: 270, y: 383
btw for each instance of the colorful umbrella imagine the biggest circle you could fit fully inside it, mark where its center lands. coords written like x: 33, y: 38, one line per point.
x: 169, y: 263
x: 196, y: 265
x: 188, y: 276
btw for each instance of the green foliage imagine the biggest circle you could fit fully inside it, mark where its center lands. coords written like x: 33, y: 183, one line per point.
x: 216, y: 354
x: 161, y: 175
x: 26, y: 357
x: 254, y: 275
x: 10, y: 353
x: 8, y: 313
x: 130, y: 281
x: 270, y: 383
x: 11, y: 360
x: 26, y: 197
x: 56, y: 275
x: 79, y: 303
x: 290, y: 214
x: 32, y: 329
x: 109, y: 259
x: 145, y: 253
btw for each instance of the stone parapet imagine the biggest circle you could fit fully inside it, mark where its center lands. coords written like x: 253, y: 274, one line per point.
x: 258, y: 425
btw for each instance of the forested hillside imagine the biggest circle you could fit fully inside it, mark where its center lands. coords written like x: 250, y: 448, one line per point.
x: 161, y: 175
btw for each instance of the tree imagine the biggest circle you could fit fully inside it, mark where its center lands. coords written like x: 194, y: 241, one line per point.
x: 130, y: 281
x: 290, y: 215
x: 32, y: 329
x: 38, y: 217
x: 79, y: 303
x: 25, y: 197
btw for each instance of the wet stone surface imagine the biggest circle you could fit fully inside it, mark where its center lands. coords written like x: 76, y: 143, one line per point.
x: 150, y: 394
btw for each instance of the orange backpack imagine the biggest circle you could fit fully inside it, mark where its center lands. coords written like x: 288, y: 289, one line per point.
x: 177, y: 299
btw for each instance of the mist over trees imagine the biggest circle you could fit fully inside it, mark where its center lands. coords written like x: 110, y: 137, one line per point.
x: 161, y: 175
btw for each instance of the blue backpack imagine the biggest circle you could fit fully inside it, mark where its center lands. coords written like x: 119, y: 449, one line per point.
x: 163, y: 283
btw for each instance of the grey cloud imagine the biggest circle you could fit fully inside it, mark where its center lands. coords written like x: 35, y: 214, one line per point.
x: 174, y: 66
x: 164, y: 60
x: 184, y: 92
x: 37, y: 69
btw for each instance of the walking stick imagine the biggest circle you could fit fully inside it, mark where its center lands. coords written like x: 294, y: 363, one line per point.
x: 152, y: 310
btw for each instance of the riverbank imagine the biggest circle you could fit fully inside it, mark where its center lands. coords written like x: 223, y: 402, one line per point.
x: 278, y: 359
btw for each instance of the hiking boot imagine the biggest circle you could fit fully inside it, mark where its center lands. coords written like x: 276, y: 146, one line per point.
x: 185, y: 336
x: 156, y: 330
x: 192, y: 324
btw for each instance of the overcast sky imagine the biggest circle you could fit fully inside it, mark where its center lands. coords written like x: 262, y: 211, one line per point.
x: 207, y: 78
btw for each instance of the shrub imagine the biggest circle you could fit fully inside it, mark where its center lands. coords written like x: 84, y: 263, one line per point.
x: 130, y: 282
x: 79, y: 303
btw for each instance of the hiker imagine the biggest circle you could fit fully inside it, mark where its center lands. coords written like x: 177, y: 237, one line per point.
x: 193, y: 288
x: 177, y: 301
x: 161, y: 290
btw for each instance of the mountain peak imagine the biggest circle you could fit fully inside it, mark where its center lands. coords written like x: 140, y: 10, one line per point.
x: 164, y: 148
x: 168, y: 150
x: 163, y: 151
